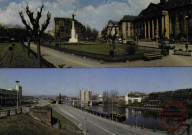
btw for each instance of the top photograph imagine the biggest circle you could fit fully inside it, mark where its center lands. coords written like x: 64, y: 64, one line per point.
x: 95, y: 33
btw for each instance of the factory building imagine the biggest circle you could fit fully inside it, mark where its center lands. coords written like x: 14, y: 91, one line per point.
x: 8, y: 97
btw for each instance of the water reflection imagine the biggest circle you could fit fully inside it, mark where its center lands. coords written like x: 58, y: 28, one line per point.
x: 134, y: 117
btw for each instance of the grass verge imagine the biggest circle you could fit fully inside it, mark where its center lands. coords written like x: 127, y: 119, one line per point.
x: 4, y: 48
x: 20, y: 58
x: 25, y: 125
x: 67, y: 124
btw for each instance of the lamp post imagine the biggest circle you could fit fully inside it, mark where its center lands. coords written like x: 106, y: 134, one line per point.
x: 187, y: 36
x: 17, y: 97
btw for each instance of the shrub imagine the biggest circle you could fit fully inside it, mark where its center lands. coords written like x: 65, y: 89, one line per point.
x: 131, y: 49
x: 56, y: 45
x: 10, y: 48
x: 112, y: 53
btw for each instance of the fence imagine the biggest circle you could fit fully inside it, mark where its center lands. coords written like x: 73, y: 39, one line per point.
x: 99, y: 56
x: 150, y: 49
x: 8, y: 113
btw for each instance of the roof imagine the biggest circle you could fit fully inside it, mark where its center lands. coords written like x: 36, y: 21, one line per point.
x: 176, y: 3
x: 113, y: 22
x: 152, y: 8
x: 128, y: 18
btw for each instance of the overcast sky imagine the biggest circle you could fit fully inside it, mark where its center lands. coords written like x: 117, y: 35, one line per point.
x: 94, y: 13
x: 71, y: 81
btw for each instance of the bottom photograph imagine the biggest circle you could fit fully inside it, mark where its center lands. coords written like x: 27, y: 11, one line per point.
x: 96, y: 101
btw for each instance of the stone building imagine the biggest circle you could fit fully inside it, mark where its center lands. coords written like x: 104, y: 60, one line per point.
x: 62, y: 31
x: 170, y: 19
x: 126, y: 26
x: 112, y: 28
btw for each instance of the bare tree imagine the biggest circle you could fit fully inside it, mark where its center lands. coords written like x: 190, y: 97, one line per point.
x: 113, y: 36
x: 34, y: 27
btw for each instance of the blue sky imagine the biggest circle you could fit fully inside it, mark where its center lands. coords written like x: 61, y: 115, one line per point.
x: 95, y: 13
x: 71, y: 81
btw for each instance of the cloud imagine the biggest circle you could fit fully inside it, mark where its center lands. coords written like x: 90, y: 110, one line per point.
x: 94, y: 16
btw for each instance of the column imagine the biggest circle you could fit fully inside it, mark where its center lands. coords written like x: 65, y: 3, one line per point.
x: 157, y: 28
x: 153, y: 29
x: 149, y: 32
x: 162, y: 25
x: 145, y: 30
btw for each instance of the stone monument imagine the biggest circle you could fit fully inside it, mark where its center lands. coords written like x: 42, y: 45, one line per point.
x: 74, y: 36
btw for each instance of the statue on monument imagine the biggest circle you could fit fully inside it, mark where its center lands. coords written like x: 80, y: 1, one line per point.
x: 73, y: 16
x: 74, y: 36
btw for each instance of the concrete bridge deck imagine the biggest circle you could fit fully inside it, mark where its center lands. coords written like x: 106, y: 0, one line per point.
x: 95, y: 125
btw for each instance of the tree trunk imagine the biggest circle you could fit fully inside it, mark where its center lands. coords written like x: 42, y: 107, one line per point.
x: 39, y: 54
x: 28, y: 43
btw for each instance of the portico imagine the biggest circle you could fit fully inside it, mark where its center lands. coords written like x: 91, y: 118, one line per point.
x: 156, y: 25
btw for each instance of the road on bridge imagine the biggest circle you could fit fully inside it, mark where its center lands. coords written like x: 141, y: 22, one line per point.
x: 95, y: 125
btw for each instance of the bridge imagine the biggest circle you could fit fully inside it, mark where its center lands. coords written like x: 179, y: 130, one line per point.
x: 96, y: 125
x: 83, y: 103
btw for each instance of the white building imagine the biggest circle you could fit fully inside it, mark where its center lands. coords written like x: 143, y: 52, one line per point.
x: 134, y: 97
x: 85, y: 95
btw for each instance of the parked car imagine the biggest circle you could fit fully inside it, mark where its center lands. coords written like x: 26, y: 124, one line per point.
x: 120, y: 41
x: 166, y: 44
x: 130, y: 43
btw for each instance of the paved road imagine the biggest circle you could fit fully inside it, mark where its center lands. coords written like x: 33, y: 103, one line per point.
x: 97, y: 125
x: 72, y: 61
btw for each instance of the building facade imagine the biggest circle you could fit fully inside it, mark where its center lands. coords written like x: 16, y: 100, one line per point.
x: 169, y: 19
x: 134, y: 97
x: 126, y: 26
x: 85, y: 95
x: 113, y: 28
x: 8, y: 97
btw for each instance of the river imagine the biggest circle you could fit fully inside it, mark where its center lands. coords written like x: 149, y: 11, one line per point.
x: 146, y: 119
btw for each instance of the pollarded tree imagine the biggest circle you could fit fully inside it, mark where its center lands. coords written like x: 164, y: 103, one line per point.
x: 34, y: 27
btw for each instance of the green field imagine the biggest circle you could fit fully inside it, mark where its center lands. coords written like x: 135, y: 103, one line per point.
x: 20, y: 58
x: 95, y: 47
x: 4, y: 48
x: 25, y: 125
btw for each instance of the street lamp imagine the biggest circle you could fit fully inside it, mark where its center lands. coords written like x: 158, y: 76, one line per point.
x: 17, y: 97
x: 187, y: 36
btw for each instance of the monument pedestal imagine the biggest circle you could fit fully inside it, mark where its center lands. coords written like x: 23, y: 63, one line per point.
x: 74, y: 36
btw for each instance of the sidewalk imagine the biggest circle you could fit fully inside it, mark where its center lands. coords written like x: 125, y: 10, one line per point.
x: 72, y: 61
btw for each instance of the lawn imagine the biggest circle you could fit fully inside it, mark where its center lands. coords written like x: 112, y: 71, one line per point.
x: 25, y: 125
x: 95, y: 47
x: 20, y: 58
x: 4, y: 48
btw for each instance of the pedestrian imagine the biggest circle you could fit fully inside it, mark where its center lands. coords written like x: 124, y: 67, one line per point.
x: 186, y: 46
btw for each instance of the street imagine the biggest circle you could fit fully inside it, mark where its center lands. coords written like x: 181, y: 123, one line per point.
x: 72, y: 61
x: 95, y: 125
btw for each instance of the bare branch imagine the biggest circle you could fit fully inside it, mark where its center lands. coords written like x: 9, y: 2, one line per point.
x: 39, y: 13
x: 24, y: 21
x: 46, y: 23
